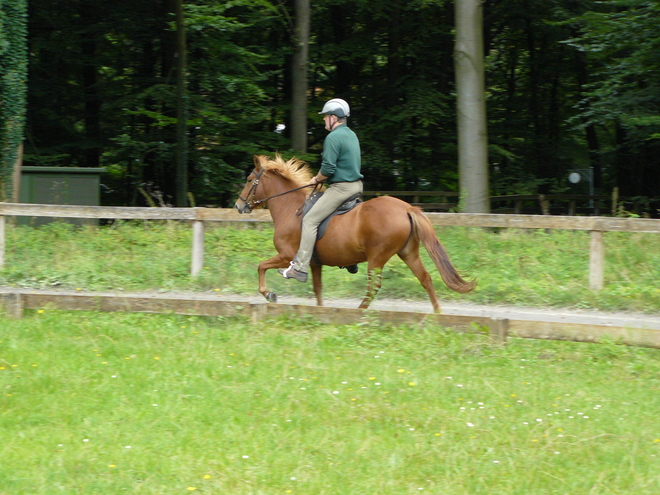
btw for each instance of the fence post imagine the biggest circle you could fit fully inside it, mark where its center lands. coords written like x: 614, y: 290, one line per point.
x: 545, y: 204
x: 13, y: 303
x: 2, y: 241
x: 197, y: 247
x: 499, y: 330
x: 596, y: 260
x: 258, y: 311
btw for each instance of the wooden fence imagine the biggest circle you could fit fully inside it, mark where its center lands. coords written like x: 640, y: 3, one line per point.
x: 15, y: 301
x: 199, y: 216
x: 545, y: 204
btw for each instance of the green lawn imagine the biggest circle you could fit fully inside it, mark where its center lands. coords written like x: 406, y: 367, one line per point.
x: 161, y: 404
x: 515, y: 267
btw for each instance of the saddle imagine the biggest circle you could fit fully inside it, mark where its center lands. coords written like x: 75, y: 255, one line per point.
x: 345, y: 207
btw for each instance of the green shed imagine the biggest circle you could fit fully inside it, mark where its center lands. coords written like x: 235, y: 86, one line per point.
x: 60, y: 186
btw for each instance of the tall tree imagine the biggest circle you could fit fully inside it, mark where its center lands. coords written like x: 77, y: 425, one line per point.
x: 299, y: 85
x: 234, y: 71
x: 103, y: 90
x: 623, y: 97
x: 13, y: 83
x: 181, y: 110
x: 471, y: 107
x: 392, y: 61
x: 534, y: 85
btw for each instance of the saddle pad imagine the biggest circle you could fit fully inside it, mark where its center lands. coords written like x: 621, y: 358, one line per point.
x: 345, y: 207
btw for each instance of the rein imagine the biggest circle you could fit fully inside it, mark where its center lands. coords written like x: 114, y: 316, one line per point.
x: 259, y: 201
x: 253, y: 190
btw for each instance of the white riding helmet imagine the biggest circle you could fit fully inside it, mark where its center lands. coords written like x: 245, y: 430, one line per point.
x: 337, y: 107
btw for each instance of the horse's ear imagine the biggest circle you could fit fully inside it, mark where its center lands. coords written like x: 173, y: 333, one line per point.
x: 258, y: 161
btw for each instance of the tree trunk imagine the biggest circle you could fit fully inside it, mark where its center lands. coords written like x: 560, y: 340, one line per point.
x: 16, y: 179
x: 592, y: 137
x: 91, y: 154
x: 13, y: 88
x: 299, y: 76
x: 181, y: 111
x: 471, y: 107
x: 393, y: 54
x: 342, y: 32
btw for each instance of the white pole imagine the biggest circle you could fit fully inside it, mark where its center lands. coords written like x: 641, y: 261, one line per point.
x: 197, y: 247
x: 2, y: 241
x: 596, y: 260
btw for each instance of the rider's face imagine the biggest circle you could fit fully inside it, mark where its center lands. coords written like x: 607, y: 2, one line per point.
x: 329, y: 121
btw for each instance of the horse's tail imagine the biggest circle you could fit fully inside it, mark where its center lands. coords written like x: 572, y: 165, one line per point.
x: 423, y: 230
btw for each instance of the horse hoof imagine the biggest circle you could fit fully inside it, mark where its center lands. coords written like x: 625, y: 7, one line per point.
x: 271, y: 297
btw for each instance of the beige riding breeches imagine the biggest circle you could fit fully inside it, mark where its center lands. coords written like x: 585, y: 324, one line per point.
x: 332, y: 199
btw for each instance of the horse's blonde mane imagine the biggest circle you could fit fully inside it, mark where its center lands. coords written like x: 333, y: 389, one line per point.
x: 296, y: 170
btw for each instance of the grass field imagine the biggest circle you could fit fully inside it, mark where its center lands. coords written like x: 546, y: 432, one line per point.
x: 512, y: 266
x: 157, y: 404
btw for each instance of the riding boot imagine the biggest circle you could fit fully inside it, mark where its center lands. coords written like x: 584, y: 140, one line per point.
x: 350, y: 268
x: 292, y: 272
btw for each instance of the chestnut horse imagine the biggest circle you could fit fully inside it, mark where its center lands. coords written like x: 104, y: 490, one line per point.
x: 373, y: 231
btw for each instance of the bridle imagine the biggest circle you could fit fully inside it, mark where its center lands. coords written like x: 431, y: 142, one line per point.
x: 252, y: 191
x: 249, y: 201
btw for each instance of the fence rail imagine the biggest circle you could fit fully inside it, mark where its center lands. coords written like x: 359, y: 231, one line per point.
x: 199, y: 216
x: 15, y: 301
x: 545, y: 204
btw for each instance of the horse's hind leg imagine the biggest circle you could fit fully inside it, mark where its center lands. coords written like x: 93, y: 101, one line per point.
x: 318, y: 283
x: 410, y: 256
x: 374, y: 281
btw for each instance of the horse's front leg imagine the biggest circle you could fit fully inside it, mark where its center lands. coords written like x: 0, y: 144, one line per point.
x: 318, y: 283
x: 278, y: 261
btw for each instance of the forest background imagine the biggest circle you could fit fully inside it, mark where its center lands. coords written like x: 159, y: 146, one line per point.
x: 570, y: 84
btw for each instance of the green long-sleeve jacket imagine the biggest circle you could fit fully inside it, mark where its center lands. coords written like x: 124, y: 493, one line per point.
x: 341, y: 156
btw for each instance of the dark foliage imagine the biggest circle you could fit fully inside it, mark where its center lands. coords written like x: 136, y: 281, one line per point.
x: 569, y: 87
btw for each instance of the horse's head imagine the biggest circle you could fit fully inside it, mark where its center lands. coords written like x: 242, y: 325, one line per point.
x: 272, y: 178
x: 247, y: 199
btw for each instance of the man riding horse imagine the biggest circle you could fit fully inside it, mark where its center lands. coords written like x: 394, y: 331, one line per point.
x: 340, y: 169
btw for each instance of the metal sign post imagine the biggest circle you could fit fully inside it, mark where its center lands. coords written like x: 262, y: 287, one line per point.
x: 577, y: 174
